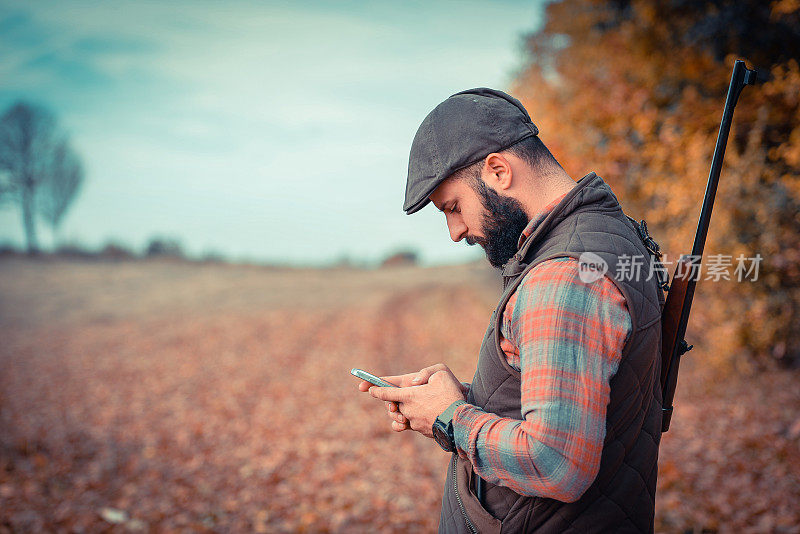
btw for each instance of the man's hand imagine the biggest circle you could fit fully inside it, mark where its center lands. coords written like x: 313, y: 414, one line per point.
x: 421, y: 397
x: 399, y: 421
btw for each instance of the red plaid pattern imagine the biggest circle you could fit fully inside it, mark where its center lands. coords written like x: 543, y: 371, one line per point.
x: 566, y: 338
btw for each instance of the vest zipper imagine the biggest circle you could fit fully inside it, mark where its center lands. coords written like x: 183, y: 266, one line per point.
x: 458, y: 498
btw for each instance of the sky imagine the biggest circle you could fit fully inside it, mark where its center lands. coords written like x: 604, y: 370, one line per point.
x: 263, y: 131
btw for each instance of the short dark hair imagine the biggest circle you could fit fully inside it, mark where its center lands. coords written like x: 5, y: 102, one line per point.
x: 535, y: 154
x: 531, y: 150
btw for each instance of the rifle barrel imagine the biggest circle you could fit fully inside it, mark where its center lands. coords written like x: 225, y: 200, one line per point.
x: 676, y: 310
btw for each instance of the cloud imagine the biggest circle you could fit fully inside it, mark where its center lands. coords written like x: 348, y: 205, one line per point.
x: 213, y: 105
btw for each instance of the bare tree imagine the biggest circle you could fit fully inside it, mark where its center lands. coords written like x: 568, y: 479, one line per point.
x: 60, y: 183
x: 33, y: 153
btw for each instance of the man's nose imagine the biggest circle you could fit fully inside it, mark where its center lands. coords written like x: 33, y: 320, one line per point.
x: 458, y: 230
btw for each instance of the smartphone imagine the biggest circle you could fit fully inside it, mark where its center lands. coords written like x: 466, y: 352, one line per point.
x: 372, y: 379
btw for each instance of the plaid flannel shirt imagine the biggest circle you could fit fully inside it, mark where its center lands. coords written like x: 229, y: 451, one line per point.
x: 566, y: 338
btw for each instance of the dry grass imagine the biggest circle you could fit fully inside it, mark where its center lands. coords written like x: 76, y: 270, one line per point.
x: 180, y: 397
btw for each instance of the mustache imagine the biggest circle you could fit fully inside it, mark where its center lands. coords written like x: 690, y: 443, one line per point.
x: 472, y: 241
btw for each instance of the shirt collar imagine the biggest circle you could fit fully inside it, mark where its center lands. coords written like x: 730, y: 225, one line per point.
x: 537, y: 219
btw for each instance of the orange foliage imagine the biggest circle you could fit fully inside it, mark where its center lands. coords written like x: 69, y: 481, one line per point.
x: 635, y: 90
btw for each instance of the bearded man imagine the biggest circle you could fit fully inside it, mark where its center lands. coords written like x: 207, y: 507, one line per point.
x: 559, y: 429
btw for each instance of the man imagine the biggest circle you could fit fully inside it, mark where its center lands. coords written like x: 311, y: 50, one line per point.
x: 559, y: 429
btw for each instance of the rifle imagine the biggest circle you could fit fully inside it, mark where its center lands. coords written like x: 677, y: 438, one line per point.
x: 675, y: 314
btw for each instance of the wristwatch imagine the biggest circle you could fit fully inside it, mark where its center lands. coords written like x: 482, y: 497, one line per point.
x: 443, y: 427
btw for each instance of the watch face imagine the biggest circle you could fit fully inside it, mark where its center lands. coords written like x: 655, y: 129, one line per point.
x: 441, y: 437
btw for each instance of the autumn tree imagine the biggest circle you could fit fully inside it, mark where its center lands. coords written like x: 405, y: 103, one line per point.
x: 38, y: 167
x: 634, y: 90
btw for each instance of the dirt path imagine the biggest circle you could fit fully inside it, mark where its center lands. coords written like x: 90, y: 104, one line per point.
x: 180, y: 397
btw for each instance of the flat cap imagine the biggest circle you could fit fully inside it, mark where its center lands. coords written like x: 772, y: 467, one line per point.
x: 460, y: 131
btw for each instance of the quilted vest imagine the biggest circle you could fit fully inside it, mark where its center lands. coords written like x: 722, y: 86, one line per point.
x: 622, y: 496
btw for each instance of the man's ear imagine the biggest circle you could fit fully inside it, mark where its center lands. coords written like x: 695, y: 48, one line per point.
x: 497, y: 171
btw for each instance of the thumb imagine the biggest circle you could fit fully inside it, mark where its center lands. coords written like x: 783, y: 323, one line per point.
x: 425, y: 374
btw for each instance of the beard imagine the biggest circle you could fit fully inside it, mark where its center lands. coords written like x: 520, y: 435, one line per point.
x: 503, y: 223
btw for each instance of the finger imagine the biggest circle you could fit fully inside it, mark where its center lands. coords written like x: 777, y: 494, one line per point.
x: 400, y: 380
x: 364, y: 385
x: 398, y: 417
x: 424, y: 374
x: 390, y: 394
x: 392, y: 406
x: 399, y: 427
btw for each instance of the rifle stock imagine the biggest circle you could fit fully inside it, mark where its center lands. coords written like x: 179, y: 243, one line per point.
x: 675, y: 314
x: 672, y: 330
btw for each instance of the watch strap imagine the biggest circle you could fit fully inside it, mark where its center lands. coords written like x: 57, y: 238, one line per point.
x: 446, y: 416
